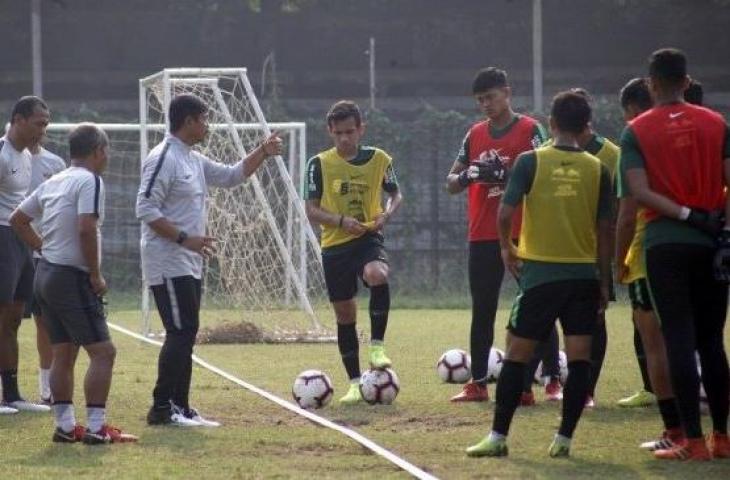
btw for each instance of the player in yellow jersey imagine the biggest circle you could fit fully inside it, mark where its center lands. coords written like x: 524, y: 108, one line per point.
x: 345, y: 186
x: 566, y: 197
x: 608, y: 153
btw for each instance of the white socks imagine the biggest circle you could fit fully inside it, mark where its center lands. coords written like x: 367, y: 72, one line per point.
x: 44, y: 383
x: 64, y: 416
x: 96, y: 417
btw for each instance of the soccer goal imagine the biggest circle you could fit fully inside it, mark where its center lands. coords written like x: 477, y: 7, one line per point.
x: 267, y: 269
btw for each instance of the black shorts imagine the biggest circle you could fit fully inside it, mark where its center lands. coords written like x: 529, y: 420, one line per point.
x: 574, y: 302
x: 16, y: 268
x: 178, y: 303
x: 71, y: 311
x: 346, y: 265
x: 32, y: 308
x: 639, y: 295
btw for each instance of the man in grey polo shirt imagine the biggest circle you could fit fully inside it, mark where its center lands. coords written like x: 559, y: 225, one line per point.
x: 28, y: 123
x: 171, y: 205
x: 69, y: 283
x: 44, y: 165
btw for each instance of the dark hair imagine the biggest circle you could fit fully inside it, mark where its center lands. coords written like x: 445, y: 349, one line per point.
x: 636, y: 92
x: 694, y: 93
x: 182, y: 107
x: 668, y: 66
x: 343, y: 110
x: 85, y: 139
x: 571, y: 112
x: 488, y: 78
x: 26, y: 106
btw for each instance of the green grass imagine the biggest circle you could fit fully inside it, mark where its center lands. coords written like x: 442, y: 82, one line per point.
x: 261, y: 440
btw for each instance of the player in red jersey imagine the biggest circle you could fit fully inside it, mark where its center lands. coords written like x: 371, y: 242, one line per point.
x: 487, y: 153
x: 676, y: 158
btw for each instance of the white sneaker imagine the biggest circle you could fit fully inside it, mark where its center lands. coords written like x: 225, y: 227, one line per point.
x: 5, y: 410
x: 26, y: 406
x: 192, y: 414
x: 178, y: 419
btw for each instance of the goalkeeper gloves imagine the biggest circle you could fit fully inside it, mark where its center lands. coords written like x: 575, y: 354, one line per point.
x: 721, y: 264
x: 708, y: 222
x: 491, y: 171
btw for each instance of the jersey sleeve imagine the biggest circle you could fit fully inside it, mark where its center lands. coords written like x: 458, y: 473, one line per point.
x: 521, y: 178
x: 539, y: 136
x: 390, y: 180
x: 605, y: 196
x: 220, y: 175
x: 631, y: 156
x: 313, y: 187
x: 622, y: 184
x: 31, y: 205
x: 463, y: 155
x: 154, y: 187
x: 90, y: 196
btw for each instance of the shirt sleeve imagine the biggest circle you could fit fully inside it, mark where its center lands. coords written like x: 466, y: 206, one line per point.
x: 154, y: 188
x: 90, y: 196
x: 390, y: 180
x: 463, y: 155
x: 313, y: 188
x: 622, y: 185
x: 539, y: 136
x: 605, y: 196
x: 631, y: 156
x: 31, y: 206
x: 521, y: 178
x: 221, y: 175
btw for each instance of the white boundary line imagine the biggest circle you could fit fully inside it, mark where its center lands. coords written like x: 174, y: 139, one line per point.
x: 362, y: 440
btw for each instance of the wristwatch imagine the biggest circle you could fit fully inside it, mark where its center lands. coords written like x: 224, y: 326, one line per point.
x: 181, y: 237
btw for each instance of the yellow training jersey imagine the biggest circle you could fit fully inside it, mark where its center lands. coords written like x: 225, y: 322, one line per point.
x: 560, y: 210
x: 351, y: 190
x: 635, y: 256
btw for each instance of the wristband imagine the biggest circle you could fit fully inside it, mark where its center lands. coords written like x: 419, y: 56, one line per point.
x: 342, y: 218
x: 684, y: 213
x: 181, y: 237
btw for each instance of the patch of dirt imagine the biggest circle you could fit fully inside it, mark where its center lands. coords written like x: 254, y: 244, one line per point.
x: 230, y: 332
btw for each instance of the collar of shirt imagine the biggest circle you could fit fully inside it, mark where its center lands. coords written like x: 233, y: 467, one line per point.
x: 178, y: 143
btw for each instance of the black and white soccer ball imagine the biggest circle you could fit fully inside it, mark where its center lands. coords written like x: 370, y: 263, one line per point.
x: 312, y: 389
x: 454, y: 366
x: 562, y: 364
x: 379, y: 385
x: 494, y: 364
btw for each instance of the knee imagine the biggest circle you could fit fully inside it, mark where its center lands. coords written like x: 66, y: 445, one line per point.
x: 376, y: 273
x: 105, y: 354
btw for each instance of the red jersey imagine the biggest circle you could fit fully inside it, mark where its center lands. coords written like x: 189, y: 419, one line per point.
x: 483, y: 198
x: 682, y: 146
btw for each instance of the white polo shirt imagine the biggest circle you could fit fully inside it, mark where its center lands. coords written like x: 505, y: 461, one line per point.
x: 58, y: 202
x: 15, y: 176
x: 174, y: 185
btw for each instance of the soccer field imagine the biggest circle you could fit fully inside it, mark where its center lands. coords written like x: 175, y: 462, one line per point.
x: 261, y: 440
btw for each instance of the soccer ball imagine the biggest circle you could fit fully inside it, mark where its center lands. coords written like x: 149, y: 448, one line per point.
x: 312, y: 389
x: 494, y: 364
x: 562, y: 364
x: 454, y: 366
x: 379, y: 385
